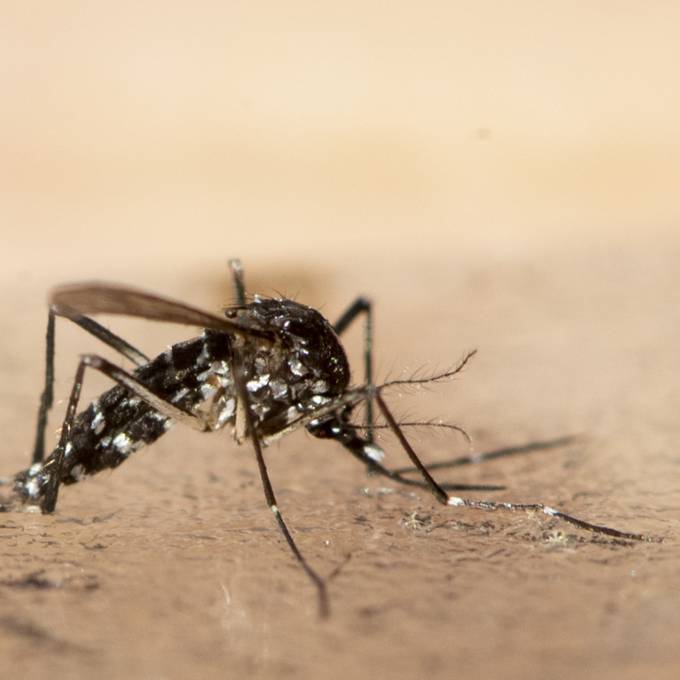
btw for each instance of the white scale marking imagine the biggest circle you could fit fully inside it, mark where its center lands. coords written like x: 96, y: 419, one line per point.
x: 98, y: 423
x: 320, y: 387
x: 220, y: 367
x: 372, y: 451
x: 77, y: 472
x: 258, y: 383
x: 207, y: 390
x: 230, y: 407
x: 180, y: 395
x: 292, y: 414
x: 297, y: 367
x: 204, y: 375
x: 279, y: 389
x: 32, y: 487
x: 204, y: 356
x: 123, y: 443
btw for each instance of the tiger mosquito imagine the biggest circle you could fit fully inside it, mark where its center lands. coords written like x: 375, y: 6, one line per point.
x: 266, y: 368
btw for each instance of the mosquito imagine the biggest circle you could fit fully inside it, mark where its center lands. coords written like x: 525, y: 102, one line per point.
x: 265, y: 368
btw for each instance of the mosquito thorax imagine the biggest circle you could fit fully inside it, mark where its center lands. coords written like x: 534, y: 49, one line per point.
x: 301, y: 371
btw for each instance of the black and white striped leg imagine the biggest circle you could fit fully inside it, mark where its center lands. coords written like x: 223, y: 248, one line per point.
x: 362, y: 306
x: 93, y: 328
x: 456, y: 501
x: 124, y: 378
x: 320, y: 584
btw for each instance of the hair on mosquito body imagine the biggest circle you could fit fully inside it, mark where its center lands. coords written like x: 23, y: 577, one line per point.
x: 266, y: 367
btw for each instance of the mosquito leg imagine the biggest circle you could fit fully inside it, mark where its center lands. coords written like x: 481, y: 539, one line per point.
x: 362, y: 306
x: 324, y: 608
x: 236, y: 269
x: 101, y: 333
x: 123, y: 378
x: 47, y: 396
x: 551, y: 512
x: 93, y: 328
x: 361, y: 449
x: 456, y: 501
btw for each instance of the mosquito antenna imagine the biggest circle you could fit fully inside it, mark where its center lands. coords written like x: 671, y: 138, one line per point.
x: 414, y: 423
x: 437, y: 377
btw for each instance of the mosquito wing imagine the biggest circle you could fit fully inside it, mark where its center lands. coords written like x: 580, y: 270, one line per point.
x: 110, y: 298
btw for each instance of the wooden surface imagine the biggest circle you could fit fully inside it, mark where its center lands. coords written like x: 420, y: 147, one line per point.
x: 500, y: 181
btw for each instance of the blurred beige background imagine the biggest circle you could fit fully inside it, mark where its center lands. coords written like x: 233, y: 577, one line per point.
x: 495, y: 175
x: 171, y: 133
